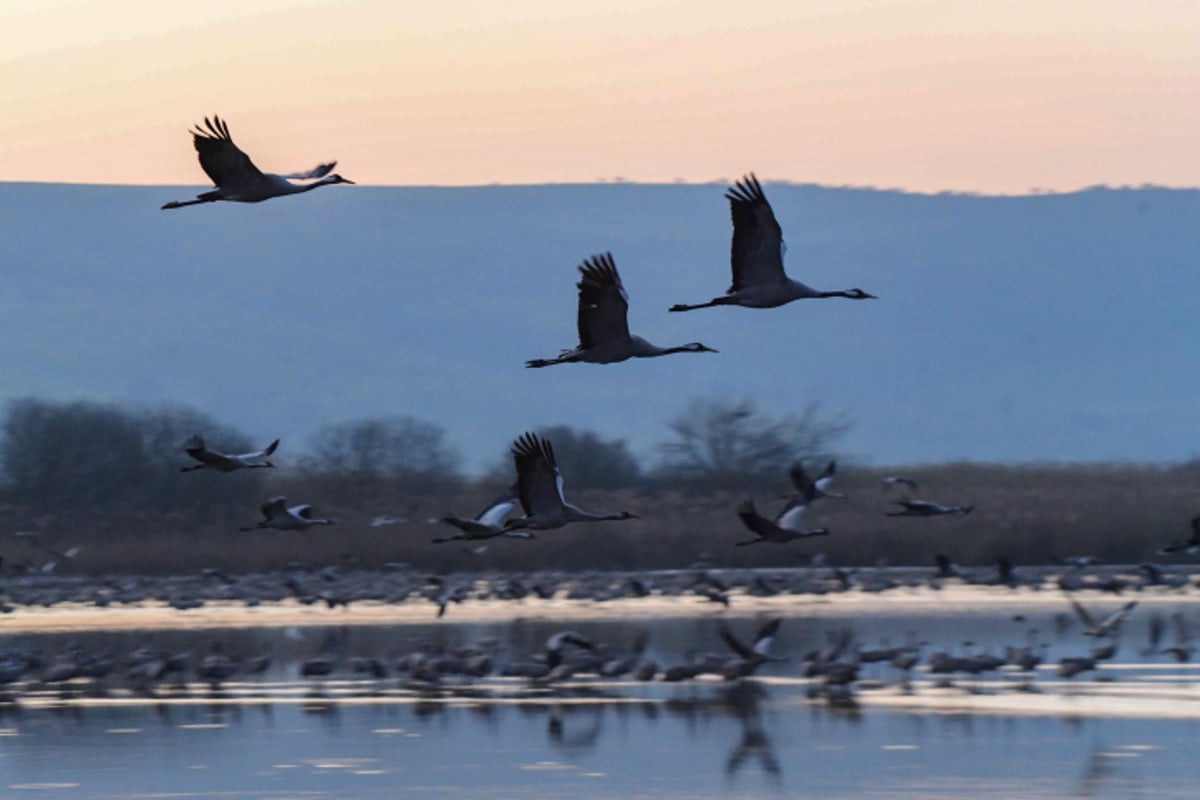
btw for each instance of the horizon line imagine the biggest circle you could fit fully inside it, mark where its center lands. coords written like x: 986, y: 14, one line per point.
x: 717, y: 182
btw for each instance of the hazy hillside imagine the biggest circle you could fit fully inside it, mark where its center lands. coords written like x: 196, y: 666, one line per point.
x: 1049, y: 327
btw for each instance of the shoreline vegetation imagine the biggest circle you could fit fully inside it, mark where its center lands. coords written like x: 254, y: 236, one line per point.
x: 106, y: 480
x: 1034, y: 514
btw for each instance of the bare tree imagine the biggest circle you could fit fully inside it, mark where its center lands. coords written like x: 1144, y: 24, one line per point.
x: 731, y: 445
x: 164, y: 433
x: 69, y: 455
x: 369, y: 451
x: 588, y: 460
x: 591, y: 462
x: 97, y: 457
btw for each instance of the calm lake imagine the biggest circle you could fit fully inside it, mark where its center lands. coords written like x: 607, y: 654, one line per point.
x: 1127, y: 729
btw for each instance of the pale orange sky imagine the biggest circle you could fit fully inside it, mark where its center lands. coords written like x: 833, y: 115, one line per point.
x: 997, y: 97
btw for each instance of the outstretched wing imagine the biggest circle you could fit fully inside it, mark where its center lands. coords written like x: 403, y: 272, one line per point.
x: 826, y: 477
x: 276, y: 505
x: 754, y: 521
x: 266, y: 451
x: 319, y: 171
x: 800, y: 479
x: 222, y: 160
x: 735, y: 644
x: 792, y: 513
x: 757, y: 252
x: 1084, y: 616
x: 893, y: 480
x: 603, y: 304
x: 539, y: 482
x: 304, y: 511
x: 765, y: 636
x: 196, y: 449
x: 1117, y: 617
x: 556, y: 642
x: 495, y: 511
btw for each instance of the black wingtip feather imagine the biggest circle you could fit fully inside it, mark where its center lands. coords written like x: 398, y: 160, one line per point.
x: 770, y: 628
x: 600, y: 270
x: 531, y: 446
x: 747, y: 190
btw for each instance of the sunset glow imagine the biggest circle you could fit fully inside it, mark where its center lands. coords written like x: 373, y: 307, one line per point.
x: 920, y: 95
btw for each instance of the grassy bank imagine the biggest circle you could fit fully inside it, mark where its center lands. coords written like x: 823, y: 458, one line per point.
x: 1031, y: 514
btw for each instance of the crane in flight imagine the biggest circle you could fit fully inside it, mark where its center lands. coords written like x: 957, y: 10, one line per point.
x: 756, y: 257
x: 235, y: 176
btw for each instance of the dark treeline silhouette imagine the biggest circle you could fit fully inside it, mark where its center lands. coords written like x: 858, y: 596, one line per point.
x: 92, y: 459
x: 717, y: 444
x: 107, y: 478
x: 588, y: 460
x: 352, y: 462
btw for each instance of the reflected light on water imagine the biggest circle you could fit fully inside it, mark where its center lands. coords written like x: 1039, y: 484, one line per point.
x: 1126, y: 728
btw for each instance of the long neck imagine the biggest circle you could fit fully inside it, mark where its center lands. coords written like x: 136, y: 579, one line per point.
x: 576, y: 514
x: 284, y: 186
x: 643, y: 349
x: 832, y: 294
x: 308, y: 187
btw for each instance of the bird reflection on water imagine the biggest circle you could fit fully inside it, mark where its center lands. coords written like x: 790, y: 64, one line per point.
x: 746, y: 724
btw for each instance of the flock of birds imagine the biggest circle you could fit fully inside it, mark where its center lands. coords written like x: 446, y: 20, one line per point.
x: 759, y: 281
x: 571, y: 661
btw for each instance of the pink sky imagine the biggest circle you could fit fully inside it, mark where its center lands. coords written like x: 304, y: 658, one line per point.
x: 922, y: 95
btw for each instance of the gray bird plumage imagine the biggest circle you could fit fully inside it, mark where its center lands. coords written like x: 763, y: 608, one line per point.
x: 224, y: 462
x: 602, y: 322
x: 278, y: 515
x: 756, y: 257
x: 489, y: 523
x: 237, y: 179
x: 539, y: 488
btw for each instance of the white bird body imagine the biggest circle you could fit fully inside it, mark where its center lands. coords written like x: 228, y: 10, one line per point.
x: 756, y: 257
x: 489, y: 523
x: 602, y: 322
x: 784, y: 528
x: 924, y: 508
x: 540, y: 489
x: 279, y: 515
x: 237, y: 179
x: 900, y: 480
x: 750, y: 658
x: 225, y: 462
x: 1107, y: 626
x: 822, y: 484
